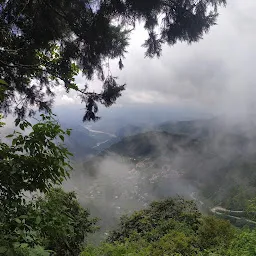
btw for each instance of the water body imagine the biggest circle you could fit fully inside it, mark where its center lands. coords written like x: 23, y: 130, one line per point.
x: 100, y: 143
x: 101, y: 132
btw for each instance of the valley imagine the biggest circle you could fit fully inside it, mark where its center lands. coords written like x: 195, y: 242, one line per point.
x: 127, y: 128
x: 199, y: 160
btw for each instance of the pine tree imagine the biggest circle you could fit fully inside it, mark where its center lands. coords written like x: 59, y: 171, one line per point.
x: 45, y: 43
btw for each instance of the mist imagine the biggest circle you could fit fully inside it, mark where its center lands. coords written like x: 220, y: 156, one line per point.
x: 201, y: 160
x: 112, y: 186
x: 212, y: 158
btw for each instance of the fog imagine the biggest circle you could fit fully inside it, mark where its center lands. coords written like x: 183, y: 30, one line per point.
x: 202, y: 163
x: 214, y: 77
x: 113, y: 185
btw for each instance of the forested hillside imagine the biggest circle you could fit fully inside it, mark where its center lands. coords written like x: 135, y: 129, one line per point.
x: 219, y: 160
x: 175, y: 227
x: 216, y: 168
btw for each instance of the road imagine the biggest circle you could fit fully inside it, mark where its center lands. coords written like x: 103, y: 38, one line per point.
x: 222, y: 211
x: 225, y: 212
x: 95, y: 131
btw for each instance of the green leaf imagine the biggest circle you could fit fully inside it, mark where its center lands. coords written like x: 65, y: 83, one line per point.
x: 73, y: 86
x: 3, y: 249
x: 16, y: 244
x: 17, y: 121
x: 62, y: 137
x: 23, y: 216
x: 22, y: 127
x: 38, y: 220
x: 24, y: 245
x: 3, y: 82
x: 17, y: 220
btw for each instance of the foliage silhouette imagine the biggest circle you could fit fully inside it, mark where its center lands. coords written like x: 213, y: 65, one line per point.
x: 47, y: 43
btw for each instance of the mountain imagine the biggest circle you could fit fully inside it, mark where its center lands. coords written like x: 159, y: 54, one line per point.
x: 195, y: 128
x: 152, y: 144
x: 84, y: 142
x: 129, y: 130
x: 80, y: 142
x: 90, y: 138
x: 204, y: 160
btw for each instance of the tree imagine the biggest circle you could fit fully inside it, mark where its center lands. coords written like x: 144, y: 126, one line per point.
x: 45, y: 43
x: 157, y: 220
x: 214, y: 232
x: 34, y: 160
x: 168, y: 227
x: 63, y: 223
x: 244, y: 244
x: 54, y: 223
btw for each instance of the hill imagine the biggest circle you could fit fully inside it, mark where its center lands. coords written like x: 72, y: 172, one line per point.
x: 153, y: 144
x: 220, y: 162
x: 213, y: 165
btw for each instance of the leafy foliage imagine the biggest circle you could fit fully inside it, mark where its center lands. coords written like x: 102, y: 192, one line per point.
x: 62, y: 222
x: 168, y: 227
x: 35, y: 160
x: 46, y: 43
x: 55, y: 224
x: 244, y: 244
x: 165, y: 212
x: 1, y: 123
x: 214, y: 232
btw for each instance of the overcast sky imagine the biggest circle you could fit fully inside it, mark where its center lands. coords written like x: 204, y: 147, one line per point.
x: 218, y: 74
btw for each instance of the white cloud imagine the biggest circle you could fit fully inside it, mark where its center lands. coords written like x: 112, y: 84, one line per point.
x: 65, y: 100
x: 218, y: 73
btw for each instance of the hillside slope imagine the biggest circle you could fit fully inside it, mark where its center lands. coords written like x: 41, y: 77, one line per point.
x: 215, y: 169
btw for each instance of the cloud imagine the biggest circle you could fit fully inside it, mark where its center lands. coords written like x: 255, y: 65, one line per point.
x: 66, y: 99
x: 63, y: 98
x: 218, y: 73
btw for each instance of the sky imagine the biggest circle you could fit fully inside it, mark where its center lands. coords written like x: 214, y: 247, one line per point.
x: 216, y: 75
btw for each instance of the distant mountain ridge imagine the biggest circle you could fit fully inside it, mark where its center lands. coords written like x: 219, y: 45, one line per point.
x: 219, y: 159
x: 85, y: 141
x: 203, y: 160
x: 151, y: 144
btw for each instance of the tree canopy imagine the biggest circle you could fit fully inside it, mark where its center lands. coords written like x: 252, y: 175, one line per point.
x: 34, y: 160
x: 170, y: 227
x: 46, y: 43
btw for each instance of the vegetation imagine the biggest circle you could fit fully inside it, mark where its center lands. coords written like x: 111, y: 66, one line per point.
x: 44, y: 44
x: 175, y: 227
x: 153, y: 144
x: 36, y: 162
x: 47, y: 43
x: 55, y: 223
x: 38, y: 219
